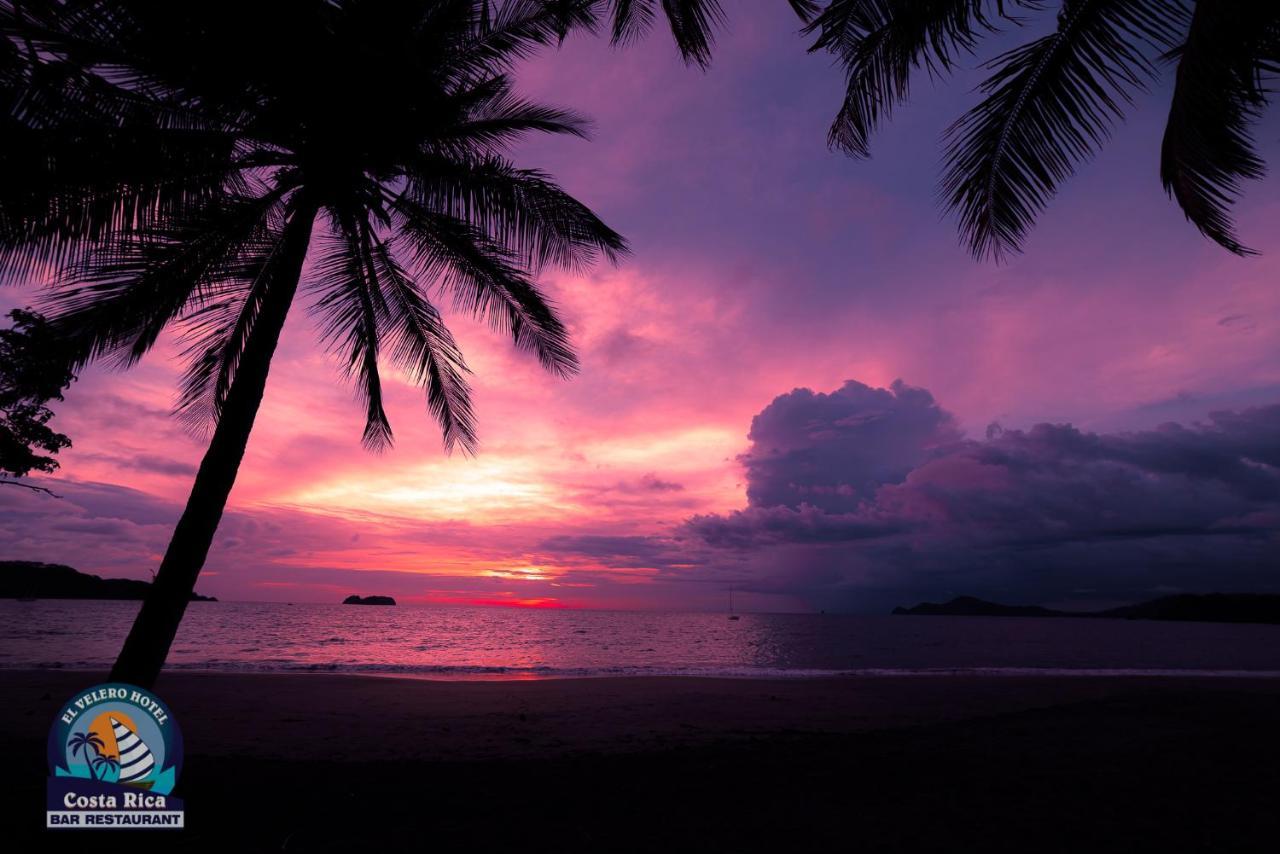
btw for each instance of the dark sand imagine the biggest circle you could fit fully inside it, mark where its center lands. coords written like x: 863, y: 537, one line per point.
x: 957, y: 764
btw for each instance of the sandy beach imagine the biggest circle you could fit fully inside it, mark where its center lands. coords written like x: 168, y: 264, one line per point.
x: 317, y: 762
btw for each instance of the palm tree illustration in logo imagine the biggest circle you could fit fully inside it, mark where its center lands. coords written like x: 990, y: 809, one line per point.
x: 105, y: 764
x: 83, y: 742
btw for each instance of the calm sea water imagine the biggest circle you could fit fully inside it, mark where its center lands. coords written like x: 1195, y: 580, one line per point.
x: 471, y: 643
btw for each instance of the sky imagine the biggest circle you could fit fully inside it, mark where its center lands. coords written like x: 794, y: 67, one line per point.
x: 798, y: 385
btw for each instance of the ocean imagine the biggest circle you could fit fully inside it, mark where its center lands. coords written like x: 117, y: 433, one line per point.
x: 442, y: 642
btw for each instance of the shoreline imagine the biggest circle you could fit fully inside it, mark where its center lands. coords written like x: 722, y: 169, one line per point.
x: 463, y: 674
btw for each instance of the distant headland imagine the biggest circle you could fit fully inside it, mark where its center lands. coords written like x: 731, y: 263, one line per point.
x: 368, y: 600
x: 1188, y: 607
x: 25, y: 579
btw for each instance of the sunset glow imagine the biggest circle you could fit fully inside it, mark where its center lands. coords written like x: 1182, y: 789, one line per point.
x: 762, y: 263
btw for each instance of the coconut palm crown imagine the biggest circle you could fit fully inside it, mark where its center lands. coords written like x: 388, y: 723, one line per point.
x: 1047, y: 104
x: 159, y: 157
x: 173, y: 165
x: 1051, y: 102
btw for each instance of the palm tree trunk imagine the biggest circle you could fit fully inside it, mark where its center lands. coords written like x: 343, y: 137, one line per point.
x: 153, y: 631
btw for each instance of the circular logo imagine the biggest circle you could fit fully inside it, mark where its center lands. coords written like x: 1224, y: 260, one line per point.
x: 118, y: 735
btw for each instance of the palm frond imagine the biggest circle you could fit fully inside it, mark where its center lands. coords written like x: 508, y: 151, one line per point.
x: 806, y: 10
x: 515, y: 30
x: 73, y: 193
x: 485, y: 280
x: 521, y: 209
x: 116, y: 303
x: 631, y: 20
x: 217, y: 331
x: 1208, y: 150
x: 1047, y: 105
x: 350, y: 309
x: 86, y: 157
x: 881, y: 43
x: 501, y: 117
x: 73, y: 184
x: 693, y: 24
x: 422, y: 345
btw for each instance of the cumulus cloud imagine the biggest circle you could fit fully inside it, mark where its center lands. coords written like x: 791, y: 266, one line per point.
x: 833, y: 450
x: 864, y: 495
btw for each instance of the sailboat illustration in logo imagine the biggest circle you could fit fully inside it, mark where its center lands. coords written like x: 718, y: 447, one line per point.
x: 136, y: 760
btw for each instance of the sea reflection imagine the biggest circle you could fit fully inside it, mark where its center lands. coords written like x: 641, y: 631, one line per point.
x: 459, y: 642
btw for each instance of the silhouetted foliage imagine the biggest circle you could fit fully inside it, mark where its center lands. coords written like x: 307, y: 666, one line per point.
x: 173, y: 164
x: 1049, y: 104
x: 156, y: 173
x: 693, y: 23
x: 32, y: 373
x: 368, y: 600
x: 24, y: 579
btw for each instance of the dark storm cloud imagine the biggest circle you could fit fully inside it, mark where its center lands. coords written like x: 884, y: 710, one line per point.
x: 874, y: 490
x: 832, y: 450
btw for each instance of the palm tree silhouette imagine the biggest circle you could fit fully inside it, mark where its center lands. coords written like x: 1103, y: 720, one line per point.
x: 1051, y: 102
x: 108, y: 763
x: 173, y: 164
x: 1048, y: 104
x: 83, y: 742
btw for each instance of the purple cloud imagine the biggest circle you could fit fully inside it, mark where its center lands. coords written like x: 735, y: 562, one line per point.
x: 871, y: 495
x: 832, y: 451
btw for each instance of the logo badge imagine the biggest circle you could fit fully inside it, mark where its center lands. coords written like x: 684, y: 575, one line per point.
x: 114, y: 756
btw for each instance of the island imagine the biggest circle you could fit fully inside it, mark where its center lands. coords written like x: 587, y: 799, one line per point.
x: 1188, y: 607
x: 25, y: 579
x: 970, y: 606
x: 368, y: 600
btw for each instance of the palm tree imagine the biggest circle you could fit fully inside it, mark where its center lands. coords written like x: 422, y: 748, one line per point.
x: 173, y: 165
x: 83, y: 742
x: 105, y: 764
x: 1048, y: 104
x: 1051, y: 102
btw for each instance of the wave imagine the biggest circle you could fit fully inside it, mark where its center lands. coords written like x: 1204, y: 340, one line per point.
x: 479, y: 672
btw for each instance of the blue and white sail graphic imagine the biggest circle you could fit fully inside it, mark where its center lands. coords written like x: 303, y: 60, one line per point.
x: 136, y: 760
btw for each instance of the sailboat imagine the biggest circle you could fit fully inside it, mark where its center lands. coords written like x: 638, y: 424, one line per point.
x: 732, y: 616
x: 136, y: 760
